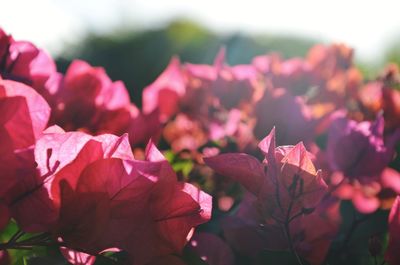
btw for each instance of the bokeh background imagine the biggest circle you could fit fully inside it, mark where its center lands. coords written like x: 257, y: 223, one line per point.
x: 135, y: 39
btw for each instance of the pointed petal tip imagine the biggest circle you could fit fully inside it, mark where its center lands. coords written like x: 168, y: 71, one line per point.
x: 152, y: 153
x: 267, y: 144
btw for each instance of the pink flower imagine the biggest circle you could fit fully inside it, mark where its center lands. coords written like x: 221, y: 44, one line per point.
x: 164, y: 93
x: 392, y: 253
x: 30, y: 201
x: 311, y: 234
x: 184, y: 133
x: 289, y: 114
x: 293, y: 74
x: 285, y: 187
x: 368, y: 196
x: 230, y: 86
x: 336, y: 77
x: 352, y: 146
x: 90, y: 101
x: 383, y: 95
x: 137, y: 206
x: 23, y: 62
x: 24, y: 116
x: 144, y: 127
x: 211, y: 249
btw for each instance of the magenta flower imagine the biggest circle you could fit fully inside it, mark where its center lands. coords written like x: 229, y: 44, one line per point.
x: 23, y: 62
x: 137, y: 206
x: 289, y: 173
x: 88, y: 100
x: 211, y: 249
x: 226, y: 86
x: 31, y: 204
x: 293, y: 74
x: 24, y: 116
x: 285, y: 187
x: 288, y: 114
x: 352, y: 146
x: 143, y: 127
x: 165, y: 93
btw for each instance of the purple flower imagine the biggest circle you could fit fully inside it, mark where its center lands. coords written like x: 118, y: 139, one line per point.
x: 360, y: 150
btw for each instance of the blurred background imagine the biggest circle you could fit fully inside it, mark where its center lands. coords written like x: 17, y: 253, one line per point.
x: 134, y: 40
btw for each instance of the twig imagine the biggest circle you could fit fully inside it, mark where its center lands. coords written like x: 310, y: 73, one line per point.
x: 16, y: 236
x: 287, y: 232
x: 291, y: 246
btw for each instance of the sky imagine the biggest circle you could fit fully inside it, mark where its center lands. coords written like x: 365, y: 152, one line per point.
x: 368, y: 26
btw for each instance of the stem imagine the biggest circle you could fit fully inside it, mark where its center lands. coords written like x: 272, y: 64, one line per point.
x: 38, y: 240
x: 287, y: 232
x: 294, y: 217
x: 16, y: 236
x: 15, y: 247
x: 291, y: 246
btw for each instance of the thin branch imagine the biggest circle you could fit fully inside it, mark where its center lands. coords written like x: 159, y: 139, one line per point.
x: 16, y: 236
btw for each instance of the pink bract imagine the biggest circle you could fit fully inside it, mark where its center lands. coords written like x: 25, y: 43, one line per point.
x: 89, y: 101
x: 286, y: 187
x: 138, y: 206
x: 23, y: 62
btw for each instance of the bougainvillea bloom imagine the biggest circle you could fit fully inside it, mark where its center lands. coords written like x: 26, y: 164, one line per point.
x: 184, y: 133
x: 25, y: 113
x: 143, y: 127
x: 23, y: 62
x: 382, y: 95
x: 248, y: 236
x: 219, y: 84
x: 201, y: 103
x: 369, y: 195
x: 334, y: 72
x: 77, y: 258
x: 290, y: 173
x: 211, y: 249
x: 76, y: 185
x: 88, y: 100
x: 289, y: 114
x: 293, y: 74
x: 352, y: 146
x: 24, y: 116
x: 30, y: 201
x: 284, y: 187
x: 164, y: 93
x: 137, y: 206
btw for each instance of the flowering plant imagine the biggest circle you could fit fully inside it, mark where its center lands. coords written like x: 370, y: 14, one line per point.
x: 280, y: 161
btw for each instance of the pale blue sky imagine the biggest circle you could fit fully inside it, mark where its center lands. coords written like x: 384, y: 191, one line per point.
x: 367, y: 25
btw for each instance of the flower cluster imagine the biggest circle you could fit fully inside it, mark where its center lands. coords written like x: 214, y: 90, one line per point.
x: 67, y: 168
x: 285, y: 147
x: 320, y: 102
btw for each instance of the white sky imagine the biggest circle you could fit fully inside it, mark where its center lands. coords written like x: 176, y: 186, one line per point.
x: 367, y: 25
